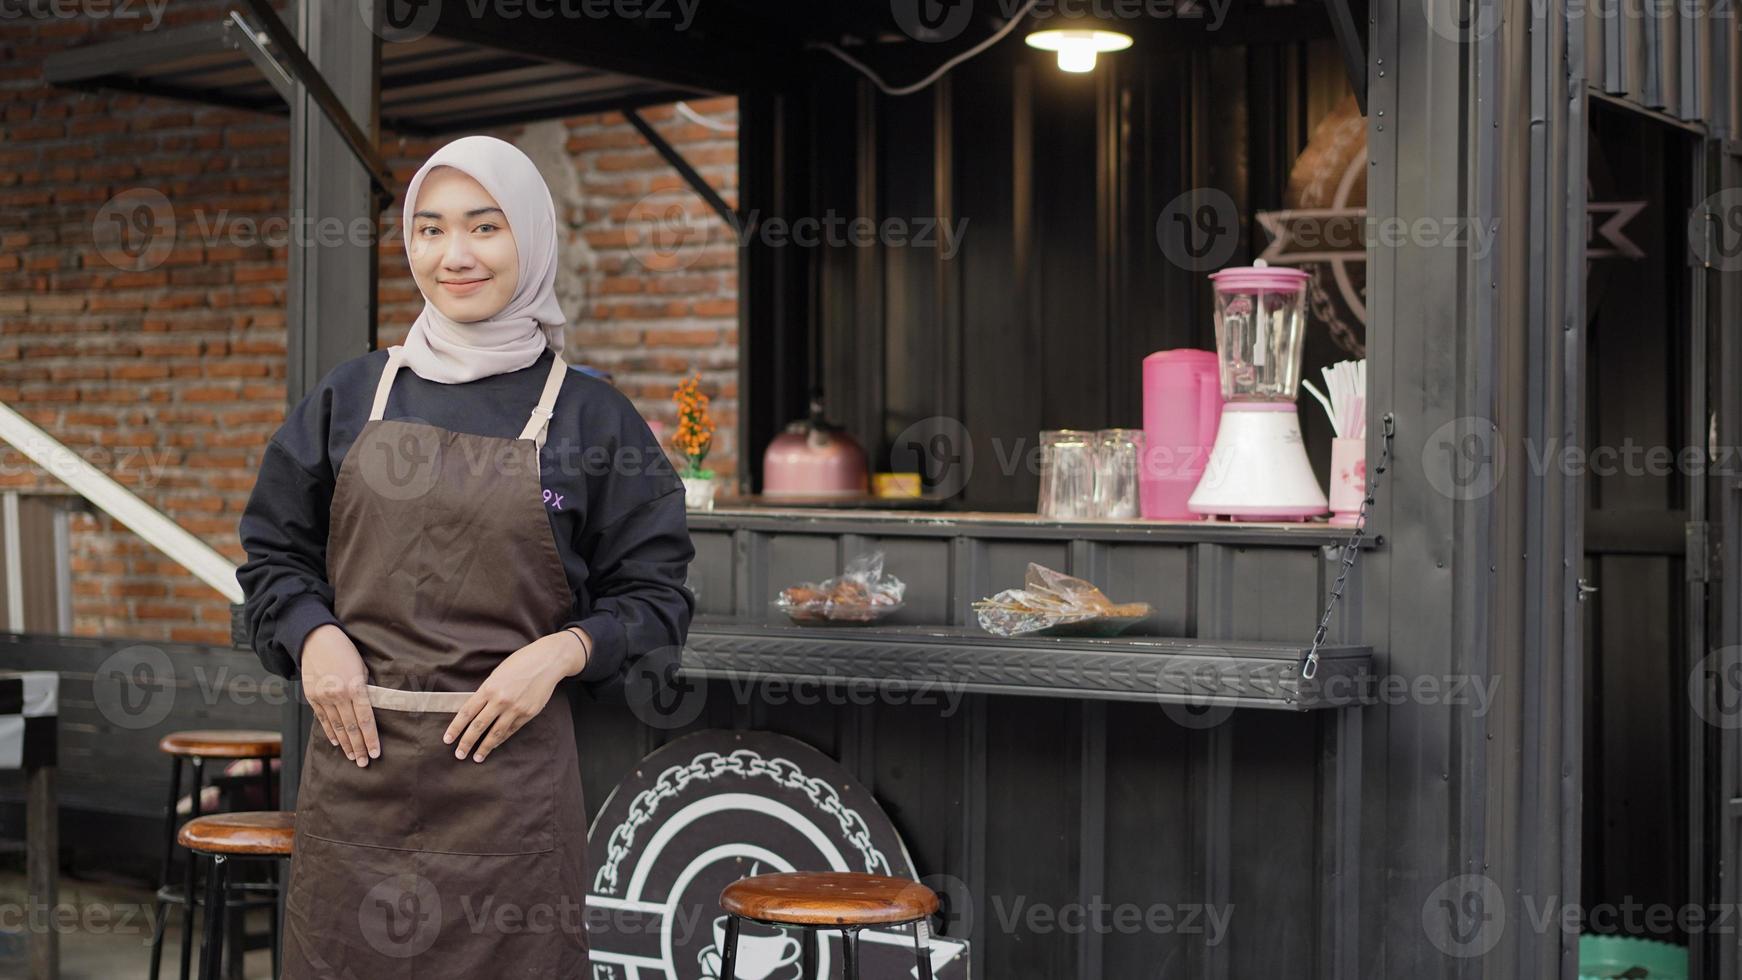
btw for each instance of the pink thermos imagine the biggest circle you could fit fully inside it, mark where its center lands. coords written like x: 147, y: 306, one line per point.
x: 1182, y: 405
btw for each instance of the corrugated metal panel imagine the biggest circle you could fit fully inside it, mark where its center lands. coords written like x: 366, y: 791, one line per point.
x: 1641, y: 39
x: 1663, y: 73
x: 1612, y: 78
x: 1695, y: 21
x: 1679, y: 58
x: 1668, y: 18
x: 1721, y: 81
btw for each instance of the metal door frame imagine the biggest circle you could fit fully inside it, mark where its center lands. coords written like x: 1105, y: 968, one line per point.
x: 1722, y: 811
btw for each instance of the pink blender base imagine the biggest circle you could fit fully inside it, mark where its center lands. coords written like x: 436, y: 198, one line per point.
x: 1258, y: 470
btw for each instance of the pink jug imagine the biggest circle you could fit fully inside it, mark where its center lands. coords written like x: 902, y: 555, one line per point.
x: 1182, y: 405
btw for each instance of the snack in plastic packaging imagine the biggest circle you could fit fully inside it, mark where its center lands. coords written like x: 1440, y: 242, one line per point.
x: 1053, y: 603
x: 860, y: 594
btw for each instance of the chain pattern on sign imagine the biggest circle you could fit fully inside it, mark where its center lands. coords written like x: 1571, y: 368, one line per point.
x: 1323, y: 311
x: 1309, y: 665
x: 747, y: 763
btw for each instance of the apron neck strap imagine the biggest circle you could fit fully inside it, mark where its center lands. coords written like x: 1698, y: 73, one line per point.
x: 395, y: 357
x: 535, y: 425
x: 540, y: 420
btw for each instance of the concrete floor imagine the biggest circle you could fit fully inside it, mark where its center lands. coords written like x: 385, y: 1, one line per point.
x: 105, y: 932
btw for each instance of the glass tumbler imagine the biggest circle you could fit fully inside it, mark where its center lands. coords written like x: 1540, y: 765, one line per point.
x: 1118, y: 454
x: 1067, y: 474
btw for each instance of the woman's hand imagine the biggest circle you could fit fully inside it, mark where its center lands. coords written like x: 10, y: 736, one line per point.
x: 333, y: 679
x: 515, y: 692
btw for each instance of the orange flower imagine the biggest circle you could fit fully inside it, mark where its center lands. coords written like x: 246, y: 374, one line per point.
x: 695, y: 426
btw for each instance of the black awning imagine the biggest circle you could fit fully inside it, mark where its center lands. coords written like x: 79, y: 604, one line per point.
x: 430, y: 86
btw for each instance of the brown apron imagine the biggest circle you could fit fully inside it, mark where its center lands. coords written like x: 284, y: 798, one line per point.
x: 442, y: 563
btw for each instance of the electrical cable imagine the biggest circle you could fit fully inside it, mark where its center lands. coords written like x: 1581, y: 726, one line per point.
x: 941, y: 70
x: 684, y: 110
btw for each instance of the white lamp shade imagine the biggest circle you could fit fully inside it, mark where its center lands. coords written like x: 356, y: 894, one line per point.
x: 1077, y: 48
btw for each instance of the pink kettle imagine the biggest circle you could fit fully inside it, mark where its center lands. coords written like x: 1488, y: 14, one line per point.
x: 814, y: 458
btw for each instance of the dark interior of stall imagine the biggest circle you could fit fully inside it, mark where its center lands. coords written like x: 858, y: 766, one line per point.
x: 1641, y: 393
x: 1067, y: 195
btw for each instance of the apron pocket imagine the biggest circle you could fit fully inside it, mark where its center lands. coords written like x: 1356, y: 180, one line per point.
x: 503, y: 805
x: 341, y: 801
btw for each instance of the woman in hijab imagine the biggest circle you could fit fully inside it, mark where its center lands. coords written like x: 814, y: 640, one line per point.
x: 434, y: 552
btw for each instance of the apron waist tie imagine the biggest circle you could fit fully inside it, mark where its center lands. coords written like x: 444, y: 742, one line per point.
x: 394, y: 699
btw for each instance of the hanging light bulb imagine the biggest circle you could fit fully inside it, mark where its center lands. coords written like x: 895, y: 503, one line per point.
x: 1078, y: 48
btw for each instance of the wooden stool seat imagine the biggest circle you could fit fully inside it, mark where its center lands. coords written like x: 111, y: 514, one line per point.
x: 248, y: 833
x: 828, y: 898
x: 223, y: 743
x: 196, y: 751
x: 220, y: 840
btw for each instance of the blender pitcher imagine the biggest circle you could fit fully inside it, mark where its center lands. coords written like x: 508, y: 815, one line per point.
x: 1258, y: 469
x: 1260, y: 323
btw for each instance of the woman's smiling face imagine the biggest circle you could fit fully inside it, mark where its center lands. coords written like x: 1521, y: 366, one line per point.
x: 462, y: 252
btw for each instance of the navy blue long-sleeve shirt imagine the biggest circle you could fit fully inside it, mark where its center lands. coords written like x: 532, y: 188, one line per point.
x: 616, y: 508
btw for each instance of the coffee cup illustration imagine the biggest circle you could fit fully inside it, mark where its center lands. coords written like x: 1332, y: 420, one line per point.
x: 762, y: 950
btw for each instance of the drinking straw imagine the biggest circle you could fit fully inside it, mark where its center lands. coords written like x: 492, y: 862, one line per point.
x: 1346, y: 404
x: 1308, y: 385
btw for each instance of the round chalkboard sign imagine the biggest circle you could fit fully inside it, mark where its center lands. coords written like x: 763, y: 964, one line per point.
x: 711, y: 808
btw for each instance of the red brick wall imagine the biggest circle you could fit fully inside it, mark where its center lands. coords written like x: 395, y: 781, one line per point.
x: 171, y: 379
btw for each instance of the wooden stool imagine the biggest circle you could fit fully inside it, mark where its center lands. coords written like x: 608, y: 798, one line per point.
x: 846, y: 901
x: 222, y: 837
x: 193, y: 748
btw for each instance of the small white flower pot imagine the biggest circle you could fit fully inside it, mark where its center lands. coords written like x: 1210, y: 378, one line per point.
x: 698, y: 492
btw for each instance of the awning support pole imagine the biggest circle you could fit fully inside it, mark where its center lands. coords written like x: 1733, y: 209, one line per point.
x: 251, y: 43
x: 297, y: 64
x: 1354, y: 51
x: 682, y: 166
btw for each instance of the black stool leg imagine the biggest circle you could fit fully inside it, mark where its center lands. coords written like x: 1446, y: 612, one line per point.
x: 161, y: 906
x: 850, y: 953
x: 212, y: 942
x: 270, y: 875
x: 187, y: 920
x: 729, y: 955
x: 266, y: 784
x: 273, y: 914
x: 807, y: 937
x: 235, y: 919
x: 922, y: 946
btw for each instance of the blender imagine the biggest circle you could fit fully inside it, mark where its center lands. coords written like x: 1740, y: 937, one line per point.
x: 1258, y: 469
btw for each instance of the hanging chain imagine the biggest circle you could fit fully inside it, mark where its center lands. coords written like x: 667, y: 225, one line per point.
x: 1310, y: 665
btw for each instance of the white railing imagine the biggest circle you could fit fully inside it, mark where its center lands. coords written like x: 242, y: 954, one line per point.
x: 120, y: 503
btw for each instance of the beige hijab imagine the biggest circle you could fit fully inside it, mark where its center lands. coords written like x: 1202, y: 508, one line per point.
x: 443, y: 349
